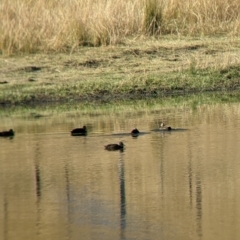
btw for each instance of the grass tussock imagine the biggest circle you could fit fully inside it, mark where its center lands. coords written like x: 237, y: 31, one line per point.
x: 60, y: 25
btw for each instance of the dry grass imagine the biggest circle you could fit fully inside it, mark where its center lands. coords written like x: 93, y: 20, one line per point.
x: 63, y: 25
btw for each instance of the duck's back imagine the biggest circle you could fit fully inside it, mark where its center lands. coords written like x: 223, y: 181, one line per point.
x: 79, y: 131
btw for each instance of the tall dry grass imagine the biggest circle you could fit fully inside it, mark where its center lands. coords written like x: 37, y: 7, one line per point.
x: 43, y: 25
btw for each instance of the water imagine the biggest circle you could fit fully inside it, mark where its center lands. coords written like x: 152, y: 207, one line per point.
x: 164, y: 185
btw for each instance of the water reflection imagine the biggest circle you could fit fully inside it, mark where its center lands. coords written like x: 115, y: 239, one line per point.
x: 68, y: 184
x: 37, y: 160
x: 64, y: 187
x: 162, y: 171
x: 5, y: 217
x: 190, y: 180
x: 199, y: 205
x: 38, y: 180
x: 122, y: 197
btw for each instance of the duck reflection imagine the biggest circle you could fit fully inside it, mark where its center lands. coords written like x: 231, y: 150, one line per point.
x: 122, y: 197
x: 190, y: 181
x: 69, y: 218
x: 199, y: 205
x: 38, y: 180
x: 5, y: 217
x: 38, y: 172
x: 67, y: 182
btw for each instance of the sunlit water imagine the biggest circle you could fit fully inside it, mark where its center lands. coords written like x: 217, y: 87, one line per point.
x: 177, y: 185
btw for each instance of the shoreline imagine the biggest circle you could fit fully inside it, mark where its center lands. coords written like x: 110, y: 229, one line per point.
x: 136, y: 69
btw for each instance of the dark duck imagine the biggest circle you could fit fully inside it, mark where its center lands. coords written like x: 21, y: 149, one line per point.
x: 114, y: 146
x: 79, y: 131
x: 135, y: 132
x: 9, y: 133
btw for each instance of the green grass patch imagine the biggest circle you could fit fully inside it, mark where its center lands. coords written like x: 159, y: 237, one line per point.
x: 179, y: 82
x: 139, y: 69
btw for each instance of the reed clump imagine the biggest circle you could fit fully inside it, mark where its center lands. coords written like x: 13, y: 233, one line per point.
x: 63, y: 25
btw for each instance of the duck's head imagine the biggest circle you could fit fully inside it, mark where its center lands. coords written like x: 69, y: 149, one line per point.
x: 121, y: 144
x: 162, y: 124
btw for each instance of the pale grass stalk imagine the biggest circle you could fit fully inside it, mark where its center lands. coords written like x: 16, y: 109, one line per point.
x: 221, y: 61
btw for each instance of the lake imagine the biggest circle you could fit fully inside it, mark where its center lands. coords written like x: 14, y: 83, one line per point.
x: 177, y: 185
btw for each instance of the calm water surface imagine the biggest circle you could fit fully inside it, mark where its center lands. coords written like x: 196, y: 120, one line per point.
x: 177, y: 185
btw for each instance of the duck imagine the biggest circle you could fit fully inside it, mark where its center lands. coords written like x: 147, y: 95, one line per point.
x: 162, y: 124
x: 135, y: 132
x: 79, y: 131
x: 9, y: 133
x: 163, y: 127
x: 166, y: 129
x: 114, y: 146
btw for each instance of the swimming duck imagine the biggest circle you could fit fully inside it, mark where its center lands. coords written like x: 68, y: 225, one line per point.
x: 112, y: 147
x: 166, y: 128
x: 162, y: 125
x: 9, y: 133
x: 79, y: 131
x: 135, y: 132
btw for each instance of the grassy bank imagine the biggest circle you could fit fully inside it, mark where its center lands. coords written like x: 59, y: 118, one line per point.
x: 137, y: 69
x: 64, y: 25
x: 145, y: 48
